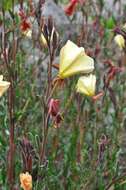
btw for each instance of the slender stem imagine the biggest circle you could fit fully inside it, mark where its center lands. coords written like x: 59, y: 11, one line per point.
x: 49, y: 75
x: 12, y: 146
x: 11, y: 100
x: 52, y: 91
x: 49, y: 93
x: 42, y: 153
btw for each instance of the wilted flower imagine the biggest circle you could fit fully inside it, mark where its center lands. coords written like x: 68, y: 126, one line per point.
x: 120, y: 41
x: 69, y: 10
x: 54, y: 111
x: 73, y: 60
x: 86, y: 85
x: 57, y: 120
x: 112, y: 72
x: 26, y: 181
x: 53, y: 107
x: 25, y: 24
x: 4, y: 85
x: 71, y: 7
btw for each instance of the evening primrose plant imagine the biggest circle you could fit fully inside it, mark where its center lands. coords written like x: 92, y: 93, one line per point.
x: 53, y: 129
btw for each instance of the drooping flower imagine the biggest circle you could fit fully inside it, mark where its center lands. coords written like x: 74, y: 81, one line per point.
x: 54, y: 107
x: 4, y: 85
x: 73, y: 60
x: 111, y: 74
x: 120, y: 41
x: 25, y: 25
x: 69, y: 10
x: 57, y: 120
x: 86, y: 85
x: 26, y: 181
x: 54, y: 112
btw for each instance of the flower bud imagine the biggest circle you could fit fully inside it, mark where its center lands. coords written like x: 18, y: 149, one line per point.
x: 120, y: 41
x: 86, y: 85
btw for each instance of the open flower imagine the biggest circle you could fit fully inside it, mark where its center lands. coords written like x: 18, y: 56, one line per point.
x: 73, y: 60
x: 26, y: 181
x: 120, y: 41
x: 86, y: 85
x: 4, y: 85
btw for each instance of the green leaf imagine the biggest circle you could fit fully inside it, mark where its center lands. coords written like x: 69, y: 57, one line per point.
x: 110, y: 23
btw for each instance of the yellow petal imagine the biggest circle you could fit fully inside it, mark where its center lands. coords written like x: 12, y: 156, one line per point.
x: 1, y: 77
x: 73, y: 60
x: 4, y: 85
x: 120, y: 41
x: 86, y: 85
x: 43, y: 40
x: 28, y: 33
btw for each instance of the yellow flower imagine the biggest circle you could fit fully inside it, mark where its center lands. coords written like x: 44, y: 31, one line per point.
x: 120, y: 41
x: 73, y: 60
x: 28, y: 33
x: 86, y: 85
x: 4, y: 85
x: 26, y: 181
